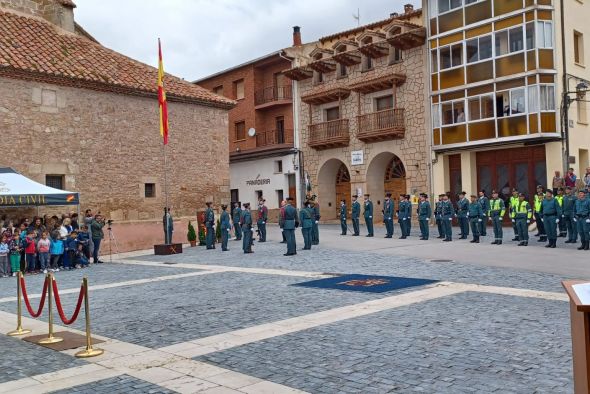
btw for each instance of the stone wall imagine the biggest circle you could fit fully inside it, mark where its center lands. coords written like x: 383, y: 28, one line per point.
x: 107, y: 147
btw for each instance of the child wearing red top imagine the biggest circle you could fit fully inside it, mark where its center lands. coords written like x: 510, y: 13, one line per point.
x: 30, y: 251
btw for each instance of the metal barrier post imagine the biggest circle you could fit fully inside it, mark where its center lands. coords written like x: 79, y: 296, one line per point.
x: 50, y: 338
x: 89, y: 351
x: 19, y: 310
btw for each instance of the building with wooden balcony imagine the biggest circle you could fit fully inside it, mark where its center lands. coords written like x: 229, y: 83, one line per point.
x: 360, y: 102
x: 498, y: 73
x: 262, y: 151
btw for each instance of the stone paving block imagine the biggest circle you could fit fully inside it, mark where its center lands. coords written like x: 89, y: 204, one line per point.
x: 118, y: 384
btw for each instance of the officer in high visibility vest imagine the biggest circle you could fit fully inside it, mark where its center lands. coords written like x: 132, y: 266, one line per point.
x: 539, y: 197
x: 562, y: 225
x: 496, y: 214
x: 513, y: 202
x: 550, y: 214
x: 522, y: 215
x: 582, y: 219
x: 569, y: 200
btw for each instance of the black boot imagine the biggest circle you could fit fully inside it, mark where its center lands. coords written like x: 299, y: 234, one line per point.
x: 515, y: 239
x: 587, y: 247
x: 549, y: 244
x: 542, y: 239
x: 554, y: 244
x: 499, y: 242
x: 495, y: 242
x: 582, y: 245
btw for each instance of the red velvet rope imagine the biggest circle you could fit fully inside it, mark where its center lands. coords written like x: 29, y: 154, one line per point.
x: 26, y: 298
x: 62, y: 315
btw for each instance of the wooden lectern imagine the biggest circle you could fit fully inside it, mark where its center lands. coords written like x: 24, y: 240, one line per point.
x: 580, y: 322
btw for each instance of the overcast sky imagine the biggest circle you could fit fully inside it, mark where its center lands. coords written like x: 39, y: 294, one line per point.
x: 201, y: 37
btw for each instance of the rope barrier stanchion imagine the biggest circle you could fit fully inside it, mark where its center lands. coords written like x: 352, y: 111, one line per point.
x: 50, y: 338
x: 26, y: 297
x: 60, y: 310
x: 19, y: 309
x: 89, y: 351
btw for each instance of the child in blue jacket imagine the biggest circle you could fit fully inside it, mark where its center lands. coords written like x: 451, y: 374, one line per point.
x: 56, y: 250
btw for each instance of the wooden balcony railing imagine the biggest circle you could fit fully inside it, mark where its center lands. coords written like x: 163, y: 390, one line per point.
x: 271, y: 94
x: 329, y: 134
x: 381, y: 125
x: 274, y: 137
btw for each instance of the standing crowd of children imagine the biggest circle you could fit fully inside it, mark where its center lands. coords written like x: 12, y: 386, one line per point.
x: 48, y: 244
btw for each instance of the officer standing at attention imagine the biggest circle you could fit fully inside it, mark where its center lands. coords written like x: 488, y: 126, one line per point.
x: 401, y: 215
x: 388, y: 215
x: 408, y: 215
x: 369, y: 215
x: 463, y: 215
x: 236, y: 216
x: 246, y: 223
x: 446, y: 215
x: 475, y: 217
x: 291, y: 223
x: 343, y: 226
x: 539, y: 197
x: 168, y: 223
x: 485, y: 206
x: 424, y: 213
x: 582, y: 218
x: 496, y: 214
x: 282, y: 220
x: 513, y: 203
x: 356, y: 214
x: 550, y: 214
x: 438, y: 218
x: 569, y: 200
x: 315, y: 239
x: 522, y: 215
x: 306, y: 219
x: 262, y: 218
x: 225, y: 224
x: 210, y: 225
x: 562, y: 226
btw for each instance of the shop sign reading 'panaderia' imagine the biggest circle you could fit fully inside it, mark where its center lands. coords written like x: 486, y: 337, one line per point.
x: 258, y: 181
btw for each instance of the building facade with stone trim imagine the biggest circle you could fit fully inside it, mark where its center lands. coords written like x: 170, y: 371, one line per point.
x: 360, y: 102
x: 85, y: 118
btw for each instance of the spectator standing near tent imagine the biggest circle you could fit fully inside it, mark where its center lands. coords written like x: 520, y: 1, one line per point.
x: 97, y: 235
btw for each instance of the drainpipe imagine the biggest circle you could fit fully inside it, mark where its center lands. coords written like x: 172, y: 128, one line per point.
x: 565, y: 98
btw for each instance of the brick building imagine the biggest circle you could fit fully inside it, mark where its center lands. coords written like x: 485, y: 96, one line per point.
x: 82, y: 117
x: 260, y: 129
x: 361, y: 105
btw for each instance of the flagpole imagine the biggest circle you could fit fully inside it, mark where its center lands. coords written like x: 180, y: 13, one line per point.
x: 164, y: 131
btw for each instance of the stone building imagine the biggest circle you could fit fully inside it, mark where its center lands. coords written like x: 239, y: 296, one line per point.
x: 260, y: 130
x: 79, y: 116
x: 361, y: 108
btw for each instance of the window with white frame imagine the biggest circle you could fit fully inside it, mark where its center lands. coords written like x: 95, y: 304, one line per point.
x: 451, y: 56
x: 533, y: 98
x: 517, y: 103
x: 453, y: 112
x: 448, y: 5
x: 481, y: 107
x: 509, y: 41
x: 512, y: 102
x: 479, y: 48
x: 547, y: 94
x: 544, y: 34
x: 530, y: 35
x: 434, y: 61
x: 435, y: 116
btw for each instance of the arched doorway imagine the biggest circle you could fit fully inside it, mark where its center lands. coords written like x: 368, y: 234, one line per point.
x: 386, y: 173
x: 333, y: 185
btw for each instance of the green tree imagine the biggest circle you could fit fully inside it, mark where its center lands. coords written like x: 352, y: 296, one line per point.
x: 191, y: 235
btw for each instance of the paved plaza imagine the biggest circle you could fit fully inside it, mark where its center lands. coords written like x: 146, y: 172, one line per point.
x: 494, y: 319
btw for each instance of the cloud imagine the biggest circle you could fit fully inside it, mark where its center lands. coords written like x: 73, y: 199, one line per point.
x: 201, y: 37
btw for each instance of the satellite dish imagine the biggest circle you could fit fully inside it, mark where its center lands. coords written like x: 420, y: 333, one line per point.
x: 252, y: 132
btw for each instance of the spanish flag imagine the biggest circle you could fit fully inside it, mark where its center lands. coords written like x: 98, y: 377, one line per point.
x: 162, y: 97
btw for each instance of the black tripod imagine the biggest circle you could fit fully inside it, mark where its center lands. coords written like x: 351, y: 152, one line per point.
x: 111, y: 240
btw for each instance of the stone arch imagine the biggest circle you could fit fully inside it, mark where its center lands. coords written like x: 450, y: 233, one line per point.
x: 386, y: 173
x: 333, y: 185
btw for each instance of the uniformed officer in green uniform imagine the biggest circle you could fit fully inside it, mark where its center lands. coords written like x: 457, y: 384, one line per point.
x: 343, y: 214
x: 562, y: 225
x: 236, y: 215
x: 550, y: 214
x: 408, y: 215
x: 569, y: 200
x: 246, y: 223
x: 462, y: 215
x: 582, y: 219
x: 210, y: 225
x: 388, y: 215
x: 291, y: 223
x: 356, y: 214
x: 513, y: 203
x: 539, y: 197
x: 424, y: 213
x: 485, y: 207
x: 261, y: 221
x: 475, y: 216
x: 225, y: 223
x: 438, y: 218
x: 315, y: 235
x: 402, y: 217
x: 306, y: 220
x: 521, y: 215
x: 368, y: 215
x: 447, y: 212
x: 496, y: 215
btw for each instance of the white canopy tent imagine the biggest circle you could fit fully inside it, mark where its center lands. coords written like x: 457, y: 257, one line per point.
x: 16, y: 190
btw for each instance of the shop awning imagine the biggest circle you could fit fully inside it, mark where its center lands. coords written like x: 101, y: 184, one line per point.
x: 16, y: 190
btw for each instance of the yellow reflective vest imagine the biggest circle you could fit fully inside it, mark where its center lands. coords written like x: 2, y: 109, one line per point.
x: 522, y: 210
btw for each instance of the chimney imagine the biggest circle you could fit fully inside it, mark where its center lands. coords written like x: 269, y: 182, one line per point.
x: 393, y: 14
x: 408, y: 8
x: 60, y: 13
x: 297, y: 36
